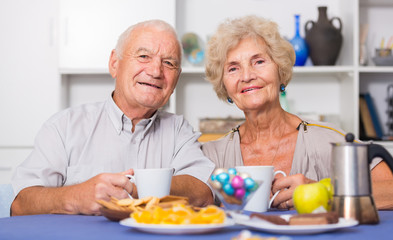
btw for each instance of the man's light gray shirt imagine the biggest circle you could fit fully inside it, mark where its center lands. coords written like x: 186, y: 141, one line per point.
x: 81, y: 142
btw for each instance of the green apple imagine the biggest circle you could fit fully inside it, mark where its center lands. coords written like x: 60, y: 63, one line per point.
x: 311, y: 198
x: 329, y: 186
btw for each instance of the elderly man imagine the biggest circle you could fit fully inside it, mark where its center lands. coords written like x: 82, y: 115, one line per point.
x: 83, y: 153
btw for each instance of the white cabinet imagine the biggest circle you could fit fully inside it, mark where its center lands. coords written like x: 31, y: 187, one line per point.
x: 89, y: 32
x: 29, y: 78
x: 90, y: 28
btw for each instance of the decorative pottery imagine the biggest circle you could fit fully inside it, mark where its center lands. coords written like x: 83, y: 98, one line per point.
x: 324, y: 39
x: 299, y: 45
x: 193, y: 48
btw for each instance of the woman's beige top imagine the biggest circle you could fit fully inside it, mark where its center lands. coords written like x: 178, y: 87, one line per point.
x: 312, y: 156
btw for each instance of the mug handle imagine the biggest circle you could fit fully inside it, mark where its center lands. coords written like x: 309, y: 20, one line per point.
x: 132, y: 180
x: 275, y: 195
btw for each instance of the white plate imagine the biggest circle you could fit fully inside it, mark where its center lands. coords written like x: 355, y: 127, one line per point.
x: 176, y: 229
x: 265, y: 226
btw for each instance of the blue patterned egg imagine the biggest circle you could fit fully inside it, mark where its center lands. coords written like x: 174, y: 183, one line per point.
x: 249, y: 183
x: 228, y: 189
x: 232, y: 171
x: 223, y: 178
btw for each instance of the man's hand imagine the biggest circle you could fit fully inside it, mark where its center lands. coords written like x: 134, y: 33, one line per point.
x: 102, y: 186
x: 76, y: 199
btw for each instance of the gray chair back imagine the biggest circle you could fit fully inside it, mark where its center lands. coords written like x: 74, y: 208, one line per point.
x: 6, y: 198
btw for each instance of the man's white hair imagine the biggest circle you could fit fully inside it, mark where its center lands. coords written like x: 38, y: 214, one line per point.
x: 156, y: 23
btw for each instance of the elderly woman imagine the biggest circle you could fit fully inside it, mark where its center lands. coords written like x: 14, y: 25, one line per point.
x: 249, y: 63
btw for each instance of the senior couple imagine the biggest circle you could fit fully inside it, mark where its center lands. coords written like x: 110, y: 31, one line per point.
x: 83, y: 153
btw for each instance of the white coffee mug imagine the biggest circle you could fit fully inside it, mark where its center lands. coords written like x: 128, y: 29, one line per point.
x: 260, y: 202
x: 152, y: 181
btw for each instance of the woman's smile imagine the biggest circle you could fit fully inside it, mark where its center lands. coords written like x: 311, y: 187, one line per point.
x: 249, y: 89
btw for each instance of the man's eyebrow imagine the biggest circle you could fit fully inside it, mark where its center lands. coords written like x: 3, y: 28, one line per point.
x: 145, y: 50
x: 142, y: 49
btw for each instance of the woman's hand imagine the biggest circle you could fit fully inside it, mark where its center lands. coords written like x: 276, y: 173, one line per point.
x: 287, y: 185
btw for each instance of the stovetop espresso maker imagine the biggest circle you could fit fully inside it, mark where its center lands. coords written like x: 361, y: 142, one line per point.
x: 351, y: 179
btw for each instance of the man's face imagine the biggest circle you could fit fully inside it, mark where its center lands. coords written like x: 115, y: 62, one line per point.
x: 148, y: 71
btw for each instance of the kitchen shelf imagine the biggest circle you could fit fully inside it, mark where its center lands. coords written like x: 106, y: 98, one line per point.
x: 375, y: 3
x: 375, y: 69
x: 77, y: 71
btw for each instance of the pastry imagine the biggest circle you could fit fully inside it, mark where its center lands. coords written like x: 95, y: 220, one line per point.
x: 270, y: 218
x: 314, y: 219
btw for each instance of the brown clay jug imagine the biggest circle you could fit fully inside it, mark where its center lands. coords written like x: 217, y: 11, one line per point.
x: 324, y: 39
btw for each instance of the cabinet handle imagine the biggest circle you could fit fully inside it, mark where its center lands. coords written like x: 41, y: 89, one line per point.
x: 65, y: 38
x: 52, y: 32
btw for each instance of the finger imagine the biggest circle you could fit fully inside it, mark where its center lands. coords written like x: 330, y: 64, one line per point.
x: 123, y: 182
x: 134, y: 192
x: 281, y: 183
x: 289, y: 204
x: 120, y: 180
x: 282, y: 197
x: 127, y: 172
x: 106, y: 191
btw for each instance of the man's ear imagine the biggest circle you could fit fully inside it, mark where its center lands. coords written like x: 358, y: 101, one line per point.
x: 113, y: 64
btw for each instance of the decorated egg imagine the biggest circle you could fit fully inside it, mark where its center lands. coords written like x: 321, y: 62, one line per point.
x: 249, y: 183
x: 223, y: 178
x: 216, y: 185
x: 213, y: 177
x: 237, y: 182
x: 244, y: 175
x: 219, y: 170
x: 228, y: 189
x: 232, y: 171
x: 239, y: 193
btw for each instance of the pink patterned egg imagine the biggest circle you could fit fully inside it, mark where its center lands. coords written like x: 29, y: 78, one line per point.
x: 239, y: 193
x: 237, y: 182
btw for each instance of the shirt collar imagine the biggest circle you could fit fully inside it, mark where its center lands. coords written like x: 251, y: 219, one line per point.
x: 116, y: 116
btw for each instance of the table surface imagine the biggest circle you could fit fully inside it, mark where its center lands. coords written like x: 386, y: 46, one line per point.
x: 69, y: 227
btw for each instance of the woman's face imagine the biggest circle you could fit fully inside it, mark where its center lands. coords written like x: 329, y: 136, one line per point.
x: 250, y: 76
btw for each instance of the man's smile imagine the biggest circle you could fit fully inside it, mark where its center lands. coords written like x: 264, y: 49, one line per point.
x: 149, y: 84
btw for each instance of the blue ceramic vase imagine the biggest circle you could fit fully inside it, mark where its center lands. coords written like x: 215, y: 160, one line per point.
x: 299, y: 45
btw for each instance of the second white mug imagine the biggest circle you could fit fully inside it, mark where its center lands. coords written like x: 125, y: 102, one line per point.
x: 260, y: 201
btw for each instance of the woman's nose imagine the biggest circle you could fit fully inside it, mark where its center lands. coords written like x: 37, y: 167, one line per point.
x: 248, y: 74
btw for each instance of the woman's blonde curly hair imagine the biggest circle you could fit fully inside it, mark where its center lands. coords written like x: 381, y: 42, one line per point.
x: 231, y: 32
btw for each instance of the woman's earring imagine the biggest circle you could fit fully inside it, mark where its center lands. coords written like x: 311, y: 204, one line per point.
x: 282, y: 88
x: 229, y: 100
